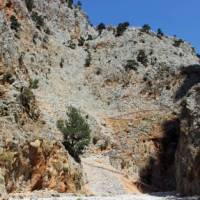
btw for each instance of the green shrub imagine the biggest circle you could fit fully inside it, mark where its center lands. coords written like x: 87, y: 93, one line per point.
x: 81, y: 41
x: 26, y: 97
x: 178, y: 42
x: 76, y: 132
x: 121, y: 28
x: 7, y: 77
x: 146, y: 28
x: 160, y: 33
x: 15, y: 25
x: 38, y: 19
x: 34, y: 83
x: 142, y: 58
x: 131, y: 65
x: 29, y: 4
x: 101, y: 27
x: 28, y: 103
x: 70, y: 3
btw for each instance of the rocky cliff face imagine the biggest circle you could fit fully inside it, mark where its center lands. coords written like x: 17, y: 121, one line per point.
x: 188, y: 153
x: 128, y: 86
x: 38, y: 165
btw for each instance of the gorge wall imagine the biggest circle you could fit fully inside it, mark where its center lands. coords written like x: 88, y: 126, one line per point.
x: 139, y: 92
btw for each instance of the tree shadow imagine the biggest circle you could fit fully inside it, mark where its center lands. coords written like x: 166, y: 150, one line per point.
x: 192, y: 77
x: 159, y: 173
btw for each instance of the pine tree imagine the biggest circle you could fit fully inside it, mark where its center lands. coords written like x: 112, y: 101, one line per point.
x: 76, y: 132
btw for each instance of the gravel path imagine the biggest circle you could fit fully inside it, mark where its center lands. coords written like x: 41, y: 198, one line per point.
x: 119, y: 197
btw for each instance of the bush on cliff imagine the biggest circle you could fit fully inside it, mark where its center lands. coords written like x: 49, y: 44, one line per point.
x: 146, y: 28
x: 101, y: 27
x: 15, y: 25
x: 121, y: 28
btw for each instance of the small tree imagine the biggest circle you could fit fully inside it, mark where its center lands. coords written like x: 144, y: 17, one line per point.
x: 76, y: 132
x: 160, y: 33
x: 121, y: 28
x: 146, y: 28
x: 101, y: 27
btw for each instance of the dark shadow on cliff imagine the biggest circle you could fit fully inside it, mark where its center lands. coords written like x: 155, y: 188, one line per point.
x: 159, y: 173
x: 192, y: 77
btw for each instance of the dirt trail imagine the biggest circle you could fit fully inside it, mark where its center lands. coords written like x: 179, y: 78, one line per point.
x: 103, y: 179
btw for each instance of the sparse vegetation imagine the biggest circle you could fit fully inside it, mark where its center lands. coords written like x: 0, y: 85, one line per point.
x: 142, y: 58
x: 146, y: 28
x: 81, y: 41
x: 76, y: 132
x: 131, y: 65
x: 15, y: 25
x: 89, y: 37
x: 178, y: 42
x: 34, y: 84
x: 70, y: 3
x: 8, y: 78
x: 26, y: 96
x: 160, y: 34
x: 47, y: 31
x: 101, y: 27
x: 27, y: 100
x: 72, y: 45
x: 88, y: 59
x: 121, y: 28
x: 29, y: 4
x: 38, y: 19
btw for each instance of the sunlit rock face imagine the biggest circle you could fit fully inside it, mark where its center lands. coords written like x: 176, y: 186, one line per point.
x: 38, y: 165
x: 129, y: 88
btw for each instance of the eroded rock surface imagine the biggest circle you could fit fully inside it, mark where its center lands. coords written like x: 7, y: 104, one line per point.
x: 38, y: 165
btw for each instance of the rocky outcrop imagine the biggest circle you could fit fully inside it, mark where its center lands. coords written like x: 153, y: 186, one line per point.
x: 188, y: 153
x: 37, y: 165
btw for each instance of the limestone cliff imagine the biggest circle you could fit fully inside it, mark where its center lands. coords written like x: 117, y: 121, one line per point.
x: 129, y: 87
x: 188, y: 153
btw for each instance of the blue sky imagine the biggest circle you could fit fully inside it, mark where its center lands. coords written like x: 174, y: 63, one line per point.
x: 174, y: 17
